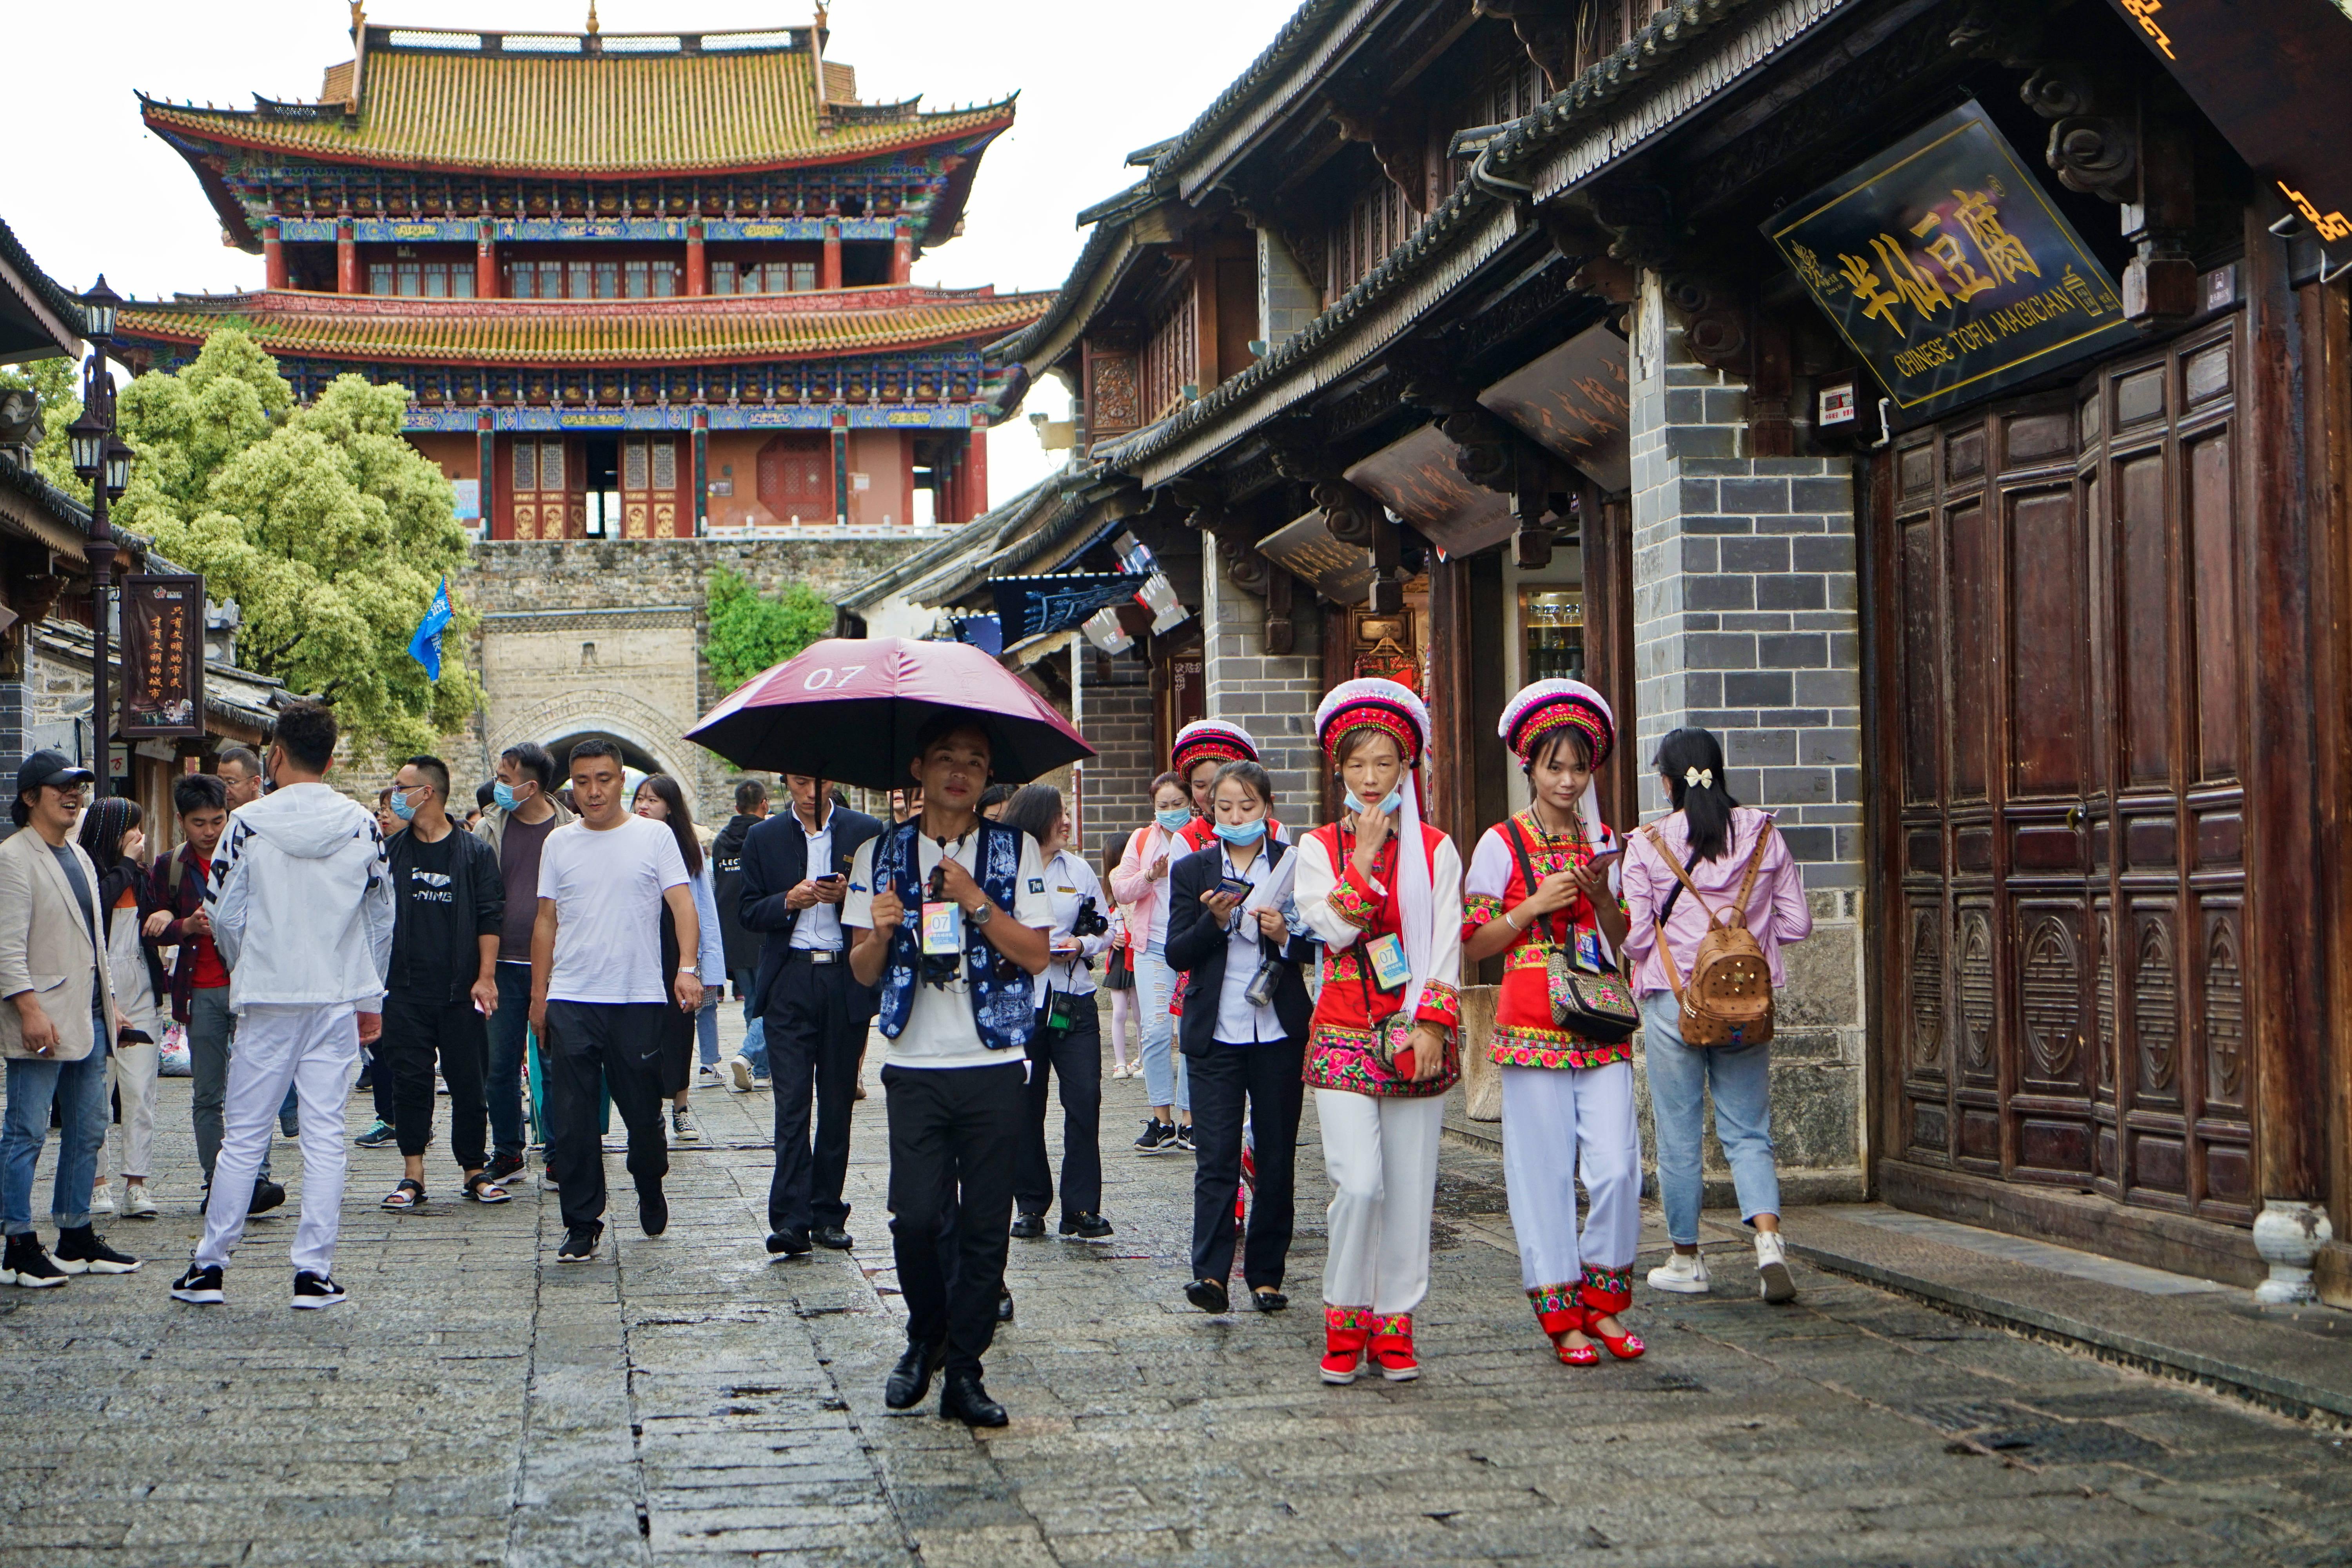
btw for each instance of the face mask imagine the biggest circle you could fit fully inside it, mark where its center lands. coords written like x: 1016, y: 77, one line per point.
x: 504, y: 796
x: 1241, y: 832
x: 1174, y: 821
x: 401, y: 808
x: 1388, y: 806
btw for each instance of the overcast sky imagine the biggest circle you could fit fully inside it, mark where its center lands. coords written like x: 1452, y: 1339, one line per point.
x: 90, y: 189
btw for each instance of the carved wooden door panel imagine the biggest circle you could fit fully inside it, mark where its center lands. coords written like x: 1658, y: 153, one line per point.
x: 2159, y: 436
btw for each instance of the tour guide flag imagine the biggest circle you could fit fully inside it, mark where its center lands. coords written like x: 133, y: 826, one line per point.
x: 424, y: 648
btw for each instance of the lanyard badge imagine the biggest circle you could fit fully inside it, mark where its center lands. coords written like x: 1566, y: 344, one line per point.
x: 942, y: 928
x: 1386, y: 955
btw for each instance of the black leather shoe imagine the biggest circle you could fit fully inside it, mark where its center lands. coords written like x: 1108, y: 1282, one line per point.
x: 653, y: 1210
x: 912, y: 1378
x: 833, y: 1238
x: 1003, y: 1304
x: 1086, y: 1226
x: 1027, y: 1227
x: 266, y: 1196
x: 788, y: 1244
x: 963, y: 1399
x: 1269, y: 1300
x: 1208, y: 1294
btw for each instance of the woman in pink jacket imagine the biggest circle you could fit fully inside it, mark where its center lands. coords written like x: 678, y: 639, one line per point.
x: 1711, y: 836
x: 1140, y: 886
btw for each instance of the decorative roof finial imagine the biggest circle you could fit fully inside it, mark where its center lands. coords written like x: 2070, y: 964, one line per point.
x: 592, y: 28
x: 820, y: 16
x: 358, y: 15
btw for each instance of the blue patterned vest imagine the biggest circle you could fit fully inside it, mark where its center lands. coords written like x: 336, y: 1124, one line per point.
x: 1002, y: 993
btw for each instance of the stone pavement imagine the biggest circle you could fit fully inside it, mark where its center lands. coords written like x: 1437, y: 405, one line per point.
x: 690, y: 1403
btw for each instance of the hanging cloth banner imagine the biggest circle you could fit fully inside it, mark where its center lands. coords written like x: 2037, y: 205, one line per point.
x: 1033, y: 607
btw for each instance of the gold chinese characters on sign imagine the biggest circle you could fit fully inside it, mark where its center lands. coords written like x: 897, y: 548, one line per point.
x: 163, y: 655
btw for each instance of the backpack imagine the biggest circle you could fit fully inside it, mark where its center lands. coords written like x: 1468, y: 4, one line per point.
x: 1729, y: 1001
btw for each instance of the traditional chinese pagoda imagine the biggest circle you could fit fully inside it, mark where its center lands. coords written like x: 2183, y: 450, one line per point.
x: 640, y: 286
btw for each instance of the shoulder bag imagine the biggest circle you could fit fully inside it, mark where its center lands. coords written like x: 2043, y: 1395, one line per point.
x: 1594, y: 1005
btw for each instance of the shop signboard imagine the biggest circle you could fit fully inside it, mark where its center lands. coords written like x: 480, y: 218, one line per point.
x: 163, y: 655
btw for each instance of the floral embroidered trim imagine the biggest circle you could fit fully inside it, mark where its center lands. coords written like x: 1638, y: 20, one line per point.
x: 1339, y: 965
x: 1529, y: 1046
x: 1393, y: 1324
x: 1529, y: 952
x: 1479, y: 908
x: 1341, y: 1057
x: 1552, y: 1299
x: 1607, y: 1289
x: 1439, y: 1004
x: 1346, y: 1320
x: 1351, y: 902
x: 1363, y: 716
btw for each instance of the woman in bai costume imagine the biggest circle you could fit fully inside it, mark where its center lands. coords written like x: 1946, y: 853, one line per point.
x: 1539, y: 884
x: 1384, y: 889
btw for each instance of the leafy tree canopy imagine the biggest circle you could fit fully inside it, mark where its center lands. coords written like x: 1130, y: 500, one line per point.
x: 748, y: 633
x: 328, y: 529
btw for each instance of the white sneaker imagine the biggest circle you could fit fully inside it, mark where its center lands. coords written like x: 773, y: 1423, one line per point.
x: 1772, y: 1268
x: 135, y: 1200
x: 101, y: 1198
x: 738, y: 1073
x: 1683, y: 1273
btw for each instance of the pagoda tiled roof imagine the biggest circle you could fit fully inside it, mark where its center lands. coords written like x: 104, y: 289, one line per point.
x: 705, y: 329
x: 480, y: 104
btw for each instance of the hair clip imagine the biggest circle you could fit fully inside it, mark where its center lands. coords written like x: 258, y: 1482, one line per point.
x: 1699, y: 778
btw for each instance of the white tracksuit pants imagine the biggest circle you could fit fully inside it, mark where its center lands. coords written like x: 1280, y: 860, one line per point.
x: 1381, y: 1152
x: 313, y: 1048
x: 1560, y: 1123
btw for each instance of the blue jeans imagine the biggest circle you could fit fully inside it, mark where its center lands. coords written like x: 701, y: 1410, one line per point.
x: 755, y: 1030
x: 1741, y: 1082
x: 1155, y: 986
x: 509, y: 1028
x: 706, y: 1032
x: 79, y: 1091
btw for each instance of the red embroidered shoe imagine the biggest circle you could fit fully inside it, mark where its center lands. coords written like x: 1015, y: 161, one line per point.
x: 1579, y: 1355
x: 1392, y: 1347
x: 1558, y: 1312
x: 1625, y: 1347
x: 1345, y: 1330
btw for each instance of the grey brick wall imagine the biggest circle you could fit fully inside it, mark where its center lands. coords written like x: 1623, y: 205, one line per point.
x: 1746, y: 623
x: 1117, y: 725
x: 1272, y: 697
x: 1288, y: 299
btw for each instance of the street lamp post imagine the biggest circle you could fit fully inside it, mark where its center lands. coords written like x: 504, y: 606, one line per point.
x: 101, y: 458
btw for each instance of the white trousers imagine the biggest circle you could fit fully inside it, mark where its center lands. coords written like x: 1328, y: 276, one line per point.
x: 130, y: 1073
x: 1560, y: 1123
x: 313, y: 1048
x: 1381, y: 1152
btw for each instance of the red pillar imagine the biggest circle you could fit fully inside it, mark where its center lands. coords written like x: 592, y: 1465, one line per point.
x: 829, y: 275
x: 976, y: 471
x: 347, y: 257
x: 902, y: 255
x: 486, y: 262
x: 273, y: 256
x: 698, y: 266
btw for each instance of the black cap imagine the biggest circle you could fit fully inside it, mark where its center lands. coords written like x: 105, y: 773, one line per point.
x: 46, y: 766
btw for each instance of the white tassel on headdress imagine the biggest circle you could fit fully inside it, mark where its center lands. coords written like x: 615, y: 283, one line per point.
x: 1416, y: 895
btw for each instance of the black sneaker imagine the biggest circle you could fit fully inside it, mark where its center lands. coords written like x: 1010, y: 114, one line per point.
x: 653, y: 1210
x: 1085, y: 1226
x: 314, y: 1290
x: 1185, y: 1138
x: 266, y: 1196
x: 82, y: 1250
x: 501, y: 1167
x: 580, y: 1244
x: 26, y: 1262
x: 784, y: 1243
x: 1159, y: 1138
x: 380, y: 1136
x: 200, y: 1287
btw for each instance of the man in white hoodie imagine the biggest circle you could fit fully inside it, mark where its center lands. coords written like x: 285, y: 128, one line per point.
x: 304, y: 921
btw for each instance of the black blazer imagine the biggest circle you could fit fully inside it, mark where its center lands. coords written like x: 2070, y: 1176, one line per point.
x: 775, y: 860
x: 1197, y: 947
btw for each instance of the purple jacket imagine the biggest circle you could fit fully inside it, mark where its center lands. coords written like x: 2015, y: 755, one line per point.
x: 1777, y: 910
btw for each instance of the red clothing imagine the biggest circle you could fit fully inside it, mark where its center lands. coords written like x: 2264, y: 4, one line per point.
x: 209, y: 970
x: 1525, y: 1035
x: 1350, y: 1007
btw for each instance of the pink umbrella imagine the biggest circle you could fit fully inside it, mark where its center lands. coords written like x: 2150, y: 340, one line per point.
x: 848, y: 710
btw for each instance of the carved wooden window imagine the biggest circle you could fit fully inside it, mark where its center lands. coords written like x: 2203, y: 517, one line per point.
x: 1171, y: 353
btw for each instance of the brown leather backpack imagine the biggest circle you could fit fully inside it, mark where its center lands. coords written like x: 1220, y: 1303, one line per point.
x: 1729, y: 1001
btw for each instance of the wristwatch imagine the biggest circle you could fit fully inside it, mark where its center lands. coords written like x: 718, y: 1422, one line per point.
x: 982, y: 915
x: 687, y: 969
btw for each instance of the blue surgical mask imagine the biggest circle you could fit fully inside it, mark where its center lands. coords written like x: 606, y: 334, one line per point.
x: 1388, y: 806
x: 503, y: 794
x: 400, y: 806
x: 1174, y: 821
x: 1241, y: 832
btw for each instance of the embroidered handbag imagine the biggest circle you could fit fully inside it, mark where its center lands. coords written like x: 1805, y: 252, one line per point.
x: 1593, y: 1003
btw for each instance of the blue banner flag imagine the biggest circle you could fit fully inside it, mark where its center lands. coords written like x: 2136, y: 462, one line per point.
x: 424, y: 648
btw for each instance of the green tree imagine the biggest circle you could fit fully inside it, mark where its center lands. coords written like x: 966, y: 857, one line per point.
x: 748, y: 633
x: 328, y: 529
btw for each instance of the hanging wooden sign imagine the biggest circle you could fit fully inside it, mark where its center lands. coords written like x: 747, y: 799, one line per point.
x: 163, y: 656
x: 1948, y: 269
x: 1417, y: 479
x: 1575, y: 401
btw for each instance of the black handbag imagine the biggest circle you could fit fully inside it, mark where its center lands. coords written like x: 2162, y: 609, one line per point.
x: 1593, y: 1004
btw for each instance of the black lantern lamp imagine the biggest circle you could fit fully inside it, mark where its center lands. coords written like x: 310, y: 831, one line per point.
x: 118, y: 467
x: 97, y: 307
x: 88, y: 438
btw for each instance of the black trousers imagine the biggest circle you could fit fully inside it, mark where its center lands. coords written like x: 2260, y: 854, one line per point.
x: 415, y: 1031
x: 1268, y: 1077
x: 954, y: 1135
x: 610, y: 1045
x: 1073, y: 1057
x: 816, y: 1020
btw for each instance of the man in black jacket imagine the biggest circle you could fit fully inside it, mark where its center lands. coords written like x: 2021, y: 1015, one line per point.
x: 1240, y: 1054
x: 748, y: 1067
x: 448, y: 905
x: 795, y: 871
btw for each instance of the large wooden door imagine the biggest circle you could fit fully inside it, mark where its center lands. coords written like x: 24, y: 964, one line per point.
x: 2060, y: 730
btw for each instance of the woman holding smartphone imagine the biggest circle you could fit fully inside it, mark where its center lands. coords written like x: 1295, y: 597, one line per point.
x: 1246, y: 1021
x: 1540, y: 885
x: 1383, y: 890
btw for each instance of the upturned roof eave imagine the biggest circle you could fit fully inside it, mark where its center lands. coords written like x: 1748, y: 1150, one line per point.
x: 51, y: 304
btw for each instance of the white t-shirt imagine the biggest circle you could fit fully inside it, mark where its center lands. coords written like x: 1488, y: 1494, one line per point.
x: 608, y: 888
x: 941, y: 1031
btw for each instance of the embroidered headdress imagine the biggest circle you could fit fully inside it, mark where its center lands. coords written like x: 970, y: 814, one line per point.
x: 1206, y: 739
x: 1371, y: 703
x: 1542, y: 710
x: 1393, y: 709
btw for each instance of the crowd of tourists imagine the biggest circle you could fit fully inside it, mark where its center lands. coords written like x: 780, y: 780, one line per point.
x: 563, y: 959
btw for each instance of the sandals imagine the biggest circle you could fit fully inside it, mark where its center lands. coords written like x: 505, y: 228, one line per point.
x: 408, y: 1195
x: 485, y: 1188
